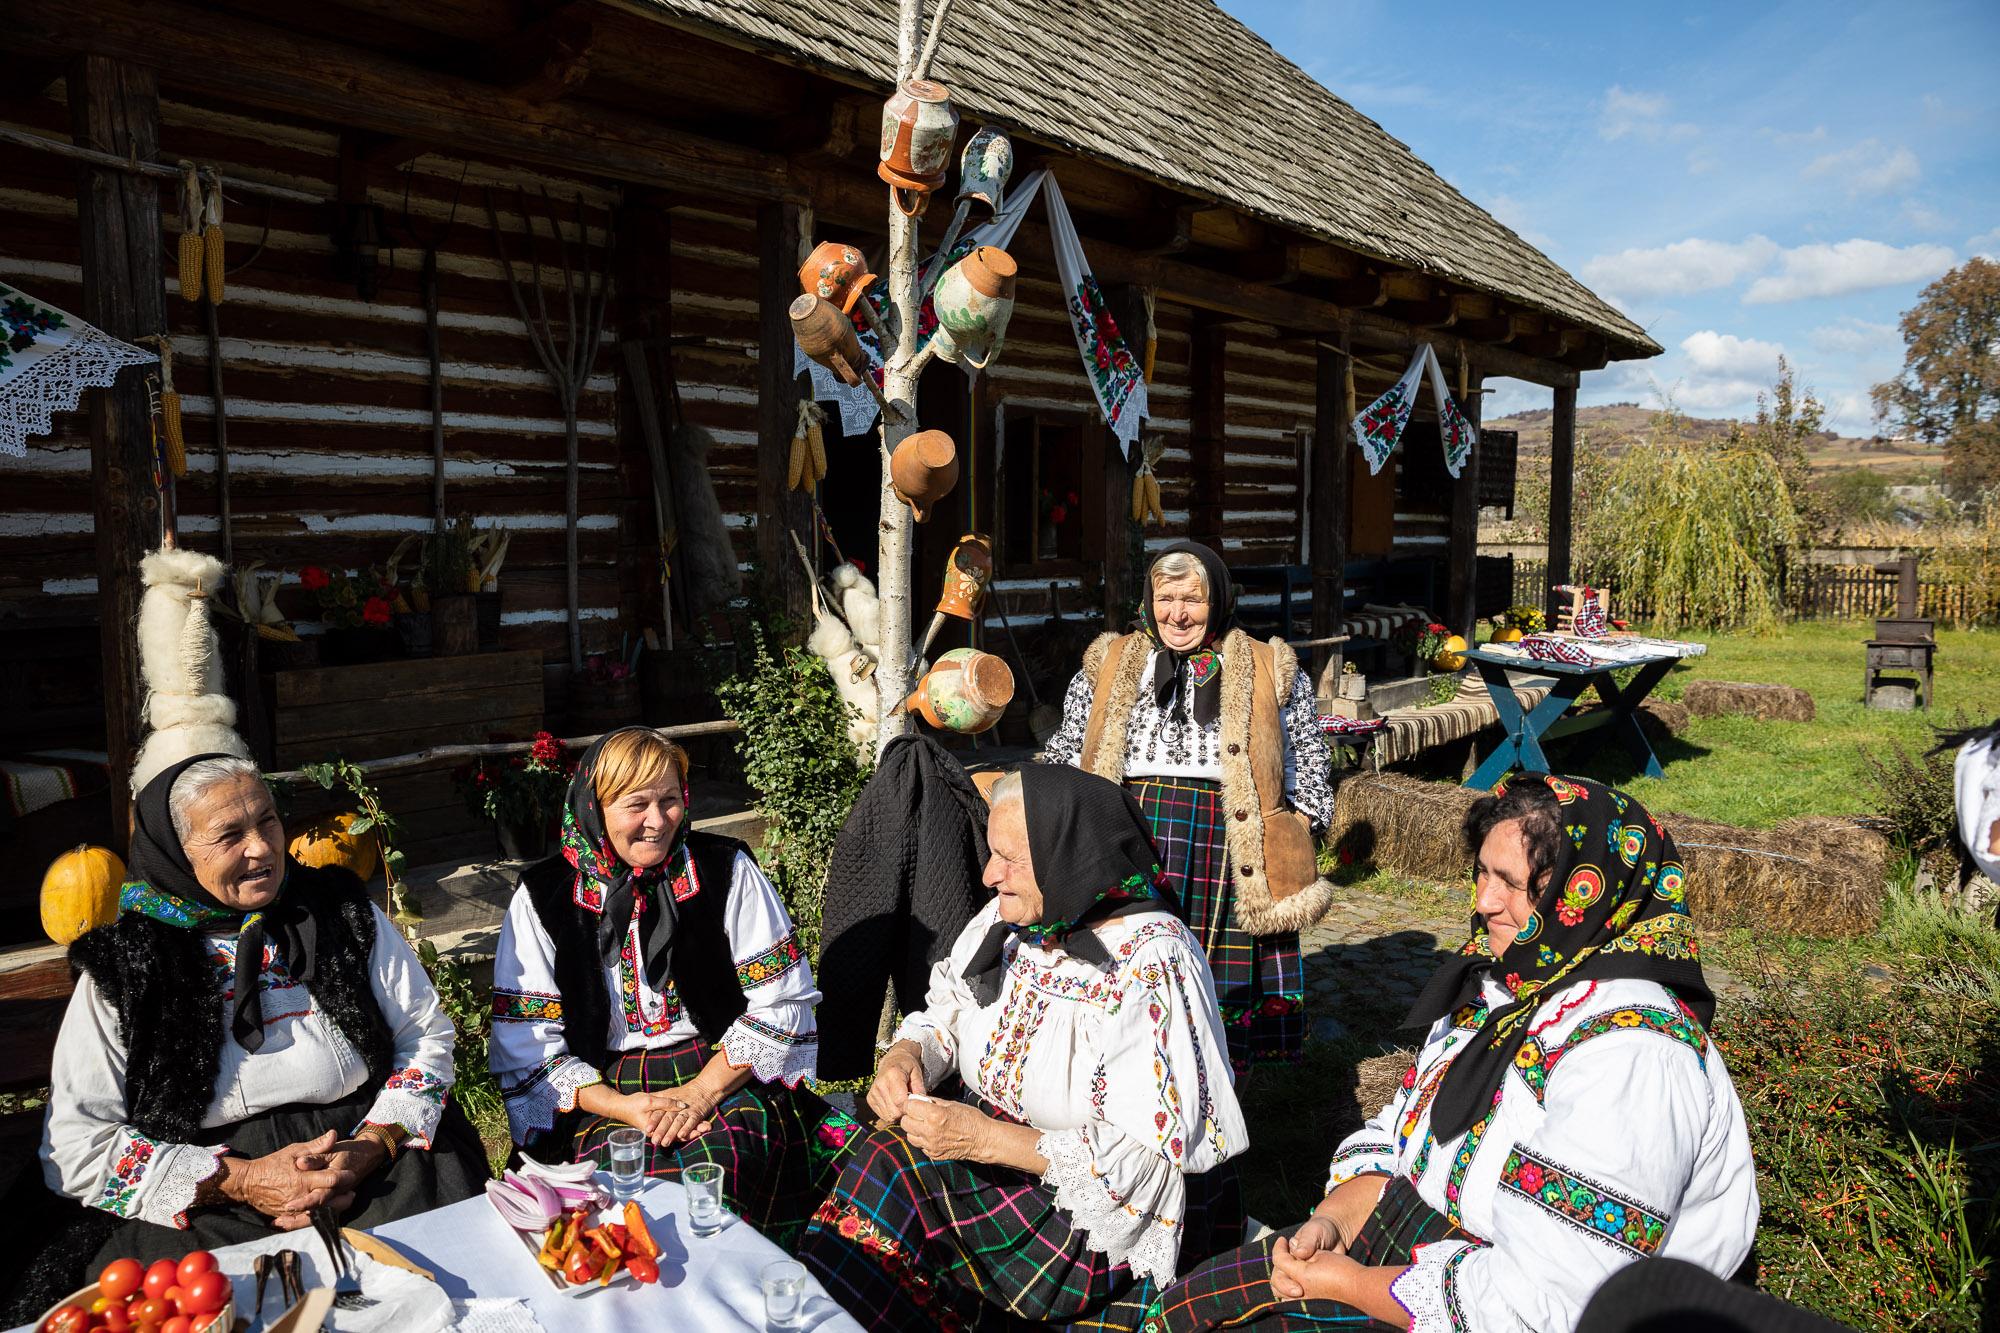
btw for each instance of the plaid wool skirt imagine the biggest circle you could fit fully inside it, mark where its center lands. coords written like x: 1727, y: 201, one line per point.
x: 1260, y: 982
x: 906, y: 1242
x: 780, y: 1148
x: 1234, y: 1290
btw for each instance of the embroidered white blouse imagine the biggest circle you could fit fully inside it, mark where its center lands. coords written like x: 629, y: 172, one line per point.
x: 1169, y: 744
x: 90, y: 1153
x: 777, y: 1037
x: 1125, y: 1072
x: 1617, y: 1136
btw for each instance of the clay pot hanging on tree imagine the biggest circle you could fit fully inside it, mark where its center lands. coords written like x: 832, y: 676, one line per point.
x: 919, y: 125
x: 985, y: 167
x: 974, y: 302
x: 923, y: 469
x: 966, y: 692
x: 836, y: 272
x: 967, y: 575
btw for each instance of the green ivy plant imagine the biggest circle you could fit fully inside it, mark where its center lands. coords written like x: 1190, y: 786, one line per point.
x: 375, y: 818
x: 797, y: 755
x: 471, y: 1013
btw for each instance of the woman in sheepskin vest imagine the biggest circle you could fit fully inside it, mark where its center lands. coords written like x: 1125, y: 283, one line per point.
x: 1218, y: 738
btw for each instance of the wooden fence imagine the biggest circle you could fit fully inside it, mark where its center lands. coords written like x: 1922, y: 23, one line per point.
x: 1809, y: 592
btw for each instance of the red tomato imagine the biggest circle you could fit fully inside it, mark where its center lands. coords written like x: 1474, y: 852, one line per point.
x: 642, y: 1268
x: 163, y: 1274
x: 195, y: 1261
x: 180, y: 1323
x: 117, y: 1318
x: 68, y: 1319
x: 172, y: 1295
x: 205, y: 1294
x: 121, y: 1278
x: 153, y: 1310
x: 203, y: 1321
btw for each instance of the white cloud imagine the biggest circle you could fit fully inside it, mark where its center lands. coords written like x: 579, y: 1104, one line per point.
x: 1641, y: 115
x: 1852, y: 337
x: 1868, y: 168
x: 1514, y: 214
x: 1693, y: 265
x: 1817, y: 134
x: 1724, y: 372
x: 1810, y: 272
x: 1987, y: 246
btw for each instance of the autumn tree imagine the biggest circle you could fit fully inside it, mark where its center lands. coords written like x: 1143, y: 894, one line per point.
x: 1789, y: 419
x: 1949, y: 390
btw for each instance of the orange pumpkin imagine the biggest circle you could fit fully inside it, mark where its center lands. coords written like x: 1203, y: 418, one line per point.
x: 80, y: 892
x: 330, y: 841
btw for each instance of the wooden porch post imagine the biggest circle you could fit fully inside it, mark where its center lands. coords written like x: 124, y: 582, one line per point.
x: 1562, y: 493
x: 1330, y: 465
x: 115, y: 108
x: 779, y: 509
x: 1207, y: 433
x: 1462, y: 598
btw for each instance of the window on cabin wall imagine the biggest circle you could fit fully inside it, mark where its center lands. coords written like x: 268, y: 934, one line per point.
x: 1051, y: 490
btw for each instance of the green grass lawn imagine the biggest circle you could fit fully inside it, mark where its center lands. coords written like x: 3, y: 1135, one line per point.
x: 1754, y: 774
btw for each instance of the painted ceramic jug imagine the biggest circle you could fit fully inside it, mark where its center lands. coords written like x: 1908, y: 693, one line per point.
x: 836, y: 272
x: 984, y: 168
x: 919, y: 124
x: 974, y: 301
x: 966, y: 691
x: 923, y: 469
x: 827, y: 336
x: 967, y: 574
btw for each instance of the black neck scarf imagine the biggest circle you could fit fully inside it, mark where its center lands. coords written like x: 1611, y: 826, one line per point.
x: 613, y: 890
x: 1195, y: 674
x: 160, y: 883
x: 1614, y: 906
x: 1094, y: 859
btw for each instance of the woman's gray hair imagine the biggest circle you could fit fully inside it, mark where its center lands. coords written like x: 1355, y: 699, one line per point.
x: 1008, y: 788
x: 198, y: 781
x: 1178, y: 565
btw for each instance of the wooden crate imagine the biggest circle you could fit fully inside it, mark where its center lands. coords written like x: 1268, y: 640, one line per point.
x: 387, y: 708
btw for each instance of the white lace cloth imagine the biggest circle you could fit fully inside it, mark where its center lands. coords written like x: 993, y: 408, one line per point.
x: 1125, y: 1072
x: 48, y: 372
x: 777, y: 1037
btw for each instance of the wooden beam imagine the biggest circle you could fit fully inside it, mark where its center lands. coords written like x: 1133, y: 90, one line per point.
x: 1271, y: 268
x: 1221, y: 228
x: 1498, y: 331
x: 1325, y: 261
x: 1462, y: 562
x: 780, y: 509
x: 1363, y: 292
x: 542, y: 62
x: 1472, y: 305
x: 1168, y: 233
x: 261, y: 65
x: 466, y: 20
x: 1588, y: 351
x: 1562, y: 491
x: 1436, y: 312
x: 1549, y: 346
x: 115, y: 108
x: 1408, y: 287
x: 1207, y: 432
x: 1328, y: 521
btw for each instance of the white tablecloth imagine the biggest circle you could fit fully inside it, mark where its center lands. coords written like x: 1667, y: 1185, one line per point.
x: 710, y: 1284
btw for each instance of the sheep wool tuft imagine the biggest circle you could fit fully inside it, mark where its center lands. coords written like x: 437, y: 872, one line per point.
x: 186, y: 701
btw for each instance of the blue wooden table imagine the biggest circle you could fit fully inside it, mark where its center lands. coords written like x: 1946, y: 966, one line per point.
x: 1526, y: 730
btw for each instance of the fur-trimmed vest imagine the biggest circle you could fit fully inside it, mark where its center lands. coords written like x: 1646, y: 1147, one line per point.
x: 1271, y: 860
x: 701, y: 962
x: 168, y: 997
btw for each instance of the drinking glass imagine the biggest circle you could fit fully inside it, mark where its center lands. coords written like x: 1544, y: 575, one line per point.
x: 703, y: 1183
x: 784, y: 1293
x: 628, y: 1162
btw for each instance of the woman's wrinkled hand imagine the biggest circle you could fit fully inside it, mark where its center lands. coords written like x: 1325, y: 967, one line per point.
x: 287, y: 1183
x: 900, y: 1077
x: 1325, y: 1276
x: 1318, y: 1234
x: 948, y: 1131
x: 665, y: 1117
x: 1351, y: 1204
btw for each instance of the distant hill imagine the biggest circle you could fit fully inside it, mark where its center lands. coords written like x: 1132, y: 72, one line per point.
x: 1633, y: 425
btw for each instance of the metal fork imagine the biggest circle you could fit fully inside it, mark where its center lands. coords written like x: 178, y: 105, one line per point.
x: 346, y: 1287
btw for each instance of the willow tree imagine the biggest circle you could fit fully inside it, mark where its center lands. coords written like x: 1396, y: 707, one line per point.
x: 1701, y: 530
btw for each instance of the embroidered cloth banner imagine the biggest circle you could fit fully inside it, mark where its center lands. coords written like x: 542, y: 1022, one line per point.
x: 1381, y: 424
x: 48, y: 357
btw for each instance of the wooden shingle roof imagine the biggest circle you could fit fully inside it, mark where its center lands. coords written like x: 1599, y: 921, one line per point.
x: 1179, y: 92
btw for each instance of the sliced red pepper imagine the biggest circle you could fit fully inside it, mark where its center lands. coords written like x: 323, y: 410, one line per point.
x: 635, y: 1227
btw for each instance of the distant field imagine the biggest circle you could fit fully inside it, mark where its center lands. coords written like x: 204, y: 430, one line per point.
x: 1833, y: 454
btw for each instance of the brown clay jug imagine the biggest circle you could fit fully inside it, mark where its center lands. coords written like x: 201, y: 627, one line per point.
x: 923, y: 469
x: 836, y: 272
x: 966, y: 691
x: 919, y: 125
x: 967, y: 575
x: 827, y: 336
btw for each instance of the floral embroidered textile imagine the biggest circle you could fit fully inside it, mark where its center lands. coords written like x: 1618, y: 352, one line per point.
x: 48, y: 357
x: 771, y: 964
x: 510, y: 1006
x: 1585, y: 1204
x: 1380, y: 426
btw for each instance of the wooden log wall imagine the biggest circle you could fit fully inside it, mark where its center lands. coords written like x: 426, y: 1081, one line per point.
x: 328, y: 395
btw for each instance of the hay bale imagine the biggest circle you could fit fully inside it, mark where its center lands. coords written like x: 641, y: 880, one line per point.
x: 1766, y: 703
x: 1355, y: 1100
x: 1659, y: 719
x: 1807, y: 876
x: 1402, y: 823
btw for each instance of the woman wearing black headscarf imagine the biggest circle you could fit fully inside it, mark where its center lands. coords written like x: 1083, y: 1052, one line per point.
x: 1060, y: 1112
x: 1217, y: 737
x: 1566, y: 1116
x: 250, y: 1038
x: 648, y: 975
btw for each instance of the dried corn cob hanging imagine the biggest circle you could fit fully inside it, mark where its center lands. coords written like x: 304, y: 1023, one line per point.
x: 191, y: 219
x: 807, y: 467
x: 173, y: 443
x: 1146, y: 486
x: 211, y: 236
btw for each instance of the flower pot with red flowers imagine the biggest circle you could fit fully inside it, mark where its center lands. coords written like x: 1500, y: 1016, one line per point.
x: 522, y: 794
x: 356, y: 609
x: 1055, y: 511
x: 603, y: 696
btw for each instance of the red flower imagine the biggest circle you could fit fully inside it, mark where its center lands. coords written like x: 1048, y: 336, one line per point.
x: 548, y: 750
x: 1072, y: 497
x: 375, y: 611
x: 1058, y: 514
x: 314, y: 578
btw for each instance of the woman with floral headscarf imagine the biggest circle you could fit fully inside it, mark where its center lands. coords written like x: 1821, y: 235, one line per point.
x: 1566, y: 1116
x: 1060, y: 1113
x: 1217, y: 737
x: 629, y: 955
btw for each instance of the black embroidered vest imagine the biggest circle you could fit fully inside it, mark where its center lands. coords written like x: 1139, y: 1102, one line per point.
x: 168, y: 997
x: 700, y: 960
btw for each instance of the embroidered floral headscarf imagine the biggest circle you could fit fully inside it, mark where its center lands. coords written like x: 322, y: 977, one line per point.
x: 615, y: 891
x: 1094, y: 859
x: 1614, y: 906
x: 1195, y: 674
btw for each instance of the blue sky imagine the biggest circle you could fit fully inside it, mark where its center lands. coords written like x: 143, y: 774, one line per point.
x: 1742, y: 180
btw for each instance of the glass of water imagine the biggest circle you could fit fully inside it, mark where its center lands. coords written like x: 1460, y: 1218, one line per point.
x: 703, y: 1183
x: 628, y: 1162
x: 784, y: 1293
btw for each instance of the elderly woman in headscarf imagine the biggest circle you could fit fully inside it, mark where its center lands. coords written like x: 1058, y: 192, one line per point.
x: 1217, y: 737
x: 649, y: 976
x: 250, y: 1038
x: 1059, y: 1115
x: 1566, y: 1116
